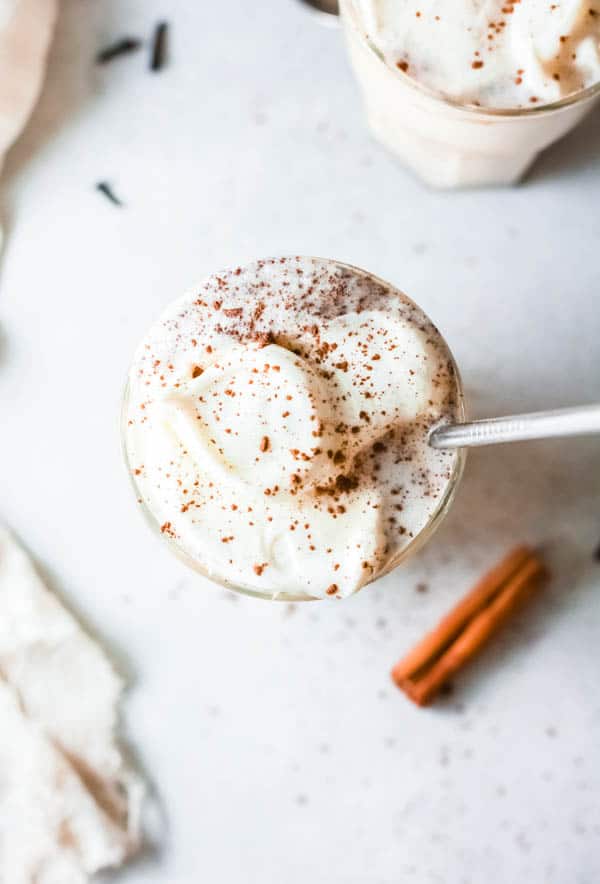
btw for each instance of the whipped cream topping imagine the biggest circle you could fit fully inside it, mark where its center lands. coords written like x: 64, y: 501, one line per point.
x: 486, y: 52
x: 276, y: 426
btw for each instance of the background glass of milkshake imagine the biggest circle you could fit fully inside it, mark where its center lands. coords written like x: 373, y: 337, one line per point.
x: 276, y: 423
x: 438, y: 121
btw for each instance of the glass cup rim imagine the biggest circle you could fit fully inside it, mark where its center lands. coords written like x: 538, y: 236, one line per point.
x: 536, y: 110
x: 415, y: 544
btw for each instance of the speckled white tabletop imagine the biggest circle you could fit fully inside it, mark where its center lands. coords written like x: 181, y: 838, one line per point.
x: 278, y: 748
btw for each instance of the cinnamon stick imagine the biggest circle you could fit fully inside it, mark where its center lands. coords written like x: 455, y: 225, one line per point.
x: 462, y: 633
x: 452, y: 623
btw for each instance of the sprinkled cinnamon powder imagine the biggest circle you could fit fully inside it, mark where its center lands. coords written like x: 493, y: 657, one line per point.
x: 306, y: 366
x: 471, y: 58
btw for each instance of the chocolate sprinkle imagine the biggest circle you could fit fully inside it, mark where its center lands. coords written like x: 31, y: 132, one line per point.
x: 159, y: 47
x: 122, y: 47
x: 105, y: 188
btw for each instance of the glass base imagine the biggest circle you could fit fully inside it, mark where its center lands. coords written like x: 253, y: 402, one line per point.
x: 443, y: 166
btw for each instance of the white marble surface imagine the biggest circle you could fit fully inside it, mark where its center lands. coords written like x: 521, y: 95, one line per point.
x: 277, y: 745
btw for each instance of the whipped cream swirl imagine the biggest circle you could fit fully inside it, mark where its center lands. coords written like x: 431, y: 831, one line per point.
x: 490, y: 53
x: 277, y: 421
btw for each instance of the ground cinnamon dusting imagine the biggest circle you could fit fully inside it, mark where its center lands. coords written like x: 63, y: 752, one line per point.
x: 333, y: 472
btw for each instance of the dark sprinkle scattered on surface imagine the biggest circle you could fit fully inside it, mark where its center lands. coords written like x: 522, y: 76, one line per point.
x: 115, y: 50
x: 159, y: 47
x: 106, y: 189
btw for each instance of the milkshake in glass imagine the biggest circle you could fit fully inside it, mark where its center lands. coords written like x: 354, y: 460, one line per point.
x: 469, y: 93
x: 276, y: 424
